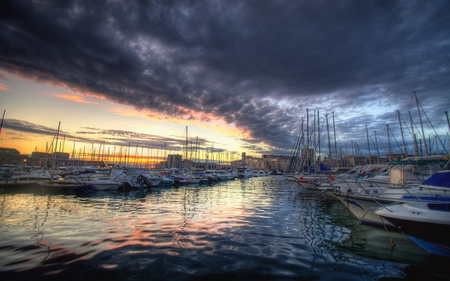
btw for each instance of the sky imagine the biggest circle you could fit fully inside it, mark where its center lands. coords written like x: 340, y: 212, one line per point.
x: 233, y: 76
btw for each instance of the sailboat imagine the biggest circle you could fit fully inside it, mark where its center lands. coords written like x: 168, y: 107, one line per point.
x: 362, y: 201
x: 426, y: 222
x: 60, y: 184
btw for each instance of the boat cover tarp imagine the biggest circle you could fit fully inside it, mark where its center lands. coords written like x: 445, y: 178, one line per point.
x: 439, y: 179
x: 324, y: 168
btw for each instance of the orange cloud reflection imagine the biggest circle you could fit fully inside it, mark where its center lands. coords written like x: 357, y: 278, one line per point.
x: 177, y: 226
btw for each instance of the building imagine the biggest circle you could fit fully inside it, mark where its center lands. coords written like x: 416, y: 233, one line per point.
x: 12, y: 156
x: 275, y: 162
x: 174, y: 161
x: 267, y: 162
x: 49, y: 159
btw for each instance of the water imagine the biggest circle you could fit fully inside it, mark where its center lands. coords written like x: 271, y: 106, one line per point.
x: 255, y: 229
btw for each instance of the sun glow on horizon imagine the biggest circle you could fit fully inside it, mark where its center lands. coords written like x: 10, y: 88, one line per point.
x: 46, y: 104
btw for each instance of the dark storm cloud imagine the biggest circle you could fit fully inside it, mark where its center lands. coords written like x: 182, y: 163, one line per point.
x: 28, y: 127
x: 238, y: 59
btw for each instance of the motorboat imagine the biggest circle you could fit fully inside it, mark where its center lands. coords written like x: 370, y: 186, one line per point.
x: 137, y: 178
x: 99, y: 182
x: 426, y: 223
x: 224, y: 175
x: 244, y: 172
x: 62, y: 185
x: 362, y: 201
x: 23, y: 177
x: 368, y: 175
x: 211, y: 176
x: 187, y: 178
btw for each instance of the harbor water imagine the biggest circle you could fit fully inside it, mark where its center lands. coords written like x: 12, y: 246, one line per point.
x: 264, y: 228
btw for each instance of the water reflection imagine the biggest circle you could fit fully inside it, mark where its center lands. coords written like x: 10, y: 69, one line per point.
x: 40, y: 219
x: 260, y: 228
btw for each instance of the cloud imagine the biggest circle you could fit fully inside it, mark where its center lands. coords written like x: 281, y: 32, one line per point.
x: 28, y: 127
x: 95, y: 136
x: 3, y: 88
x: 258, y: 65
x: 75, y: 98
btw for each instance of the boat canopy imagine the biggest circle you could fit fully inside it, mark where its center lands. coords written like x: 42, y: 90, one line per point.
x: 439, y: 180
x: 324, y: 168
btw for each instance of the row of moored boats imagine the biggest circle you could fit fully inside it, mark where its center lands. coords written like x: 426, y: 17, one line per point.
x: 411, y: 195
x: 130, y: 178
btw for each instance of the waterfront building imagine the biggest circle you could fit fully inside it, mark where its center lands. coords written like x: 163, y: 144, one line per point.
x: 275, y: 162
x: 12, y: 156
x: 49, y: 159
x: 174, y: 161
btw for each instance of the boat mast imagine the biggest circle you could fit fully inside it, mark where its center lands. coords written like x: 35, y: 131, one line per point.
x: 376, y: 148
x: 191, y: 149
x: 318, y: 134
x: 404, y: 150
x: 3, y: 118
x: 307, y: 127
x: 448, y: 124
x: 141, y: 161
x: 416, y: 148
x: 421, y: 125
x: 448, y: 121
x: 212, y: 156
x: 436, y: 141
x: 187, y: 143
x: 329, y: 142
x: 299, y: 160
x: 197, y: 159
x: 368, y: 145
x: 389, y: 142
x: 308, y: 153
x: 334, y: 136
x: 63, y: 143
x: 353, y: 151
x: 1, y: 127
x: 56, y: 146
x: 314, y: 141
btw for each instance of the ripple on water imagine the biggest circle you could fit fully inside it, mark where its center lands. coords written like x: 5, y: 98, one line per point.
x: 260, y: 228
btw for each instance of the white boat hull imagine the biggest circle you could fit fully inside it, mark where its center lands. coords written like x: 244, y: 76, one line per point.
x: 427, y: 223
